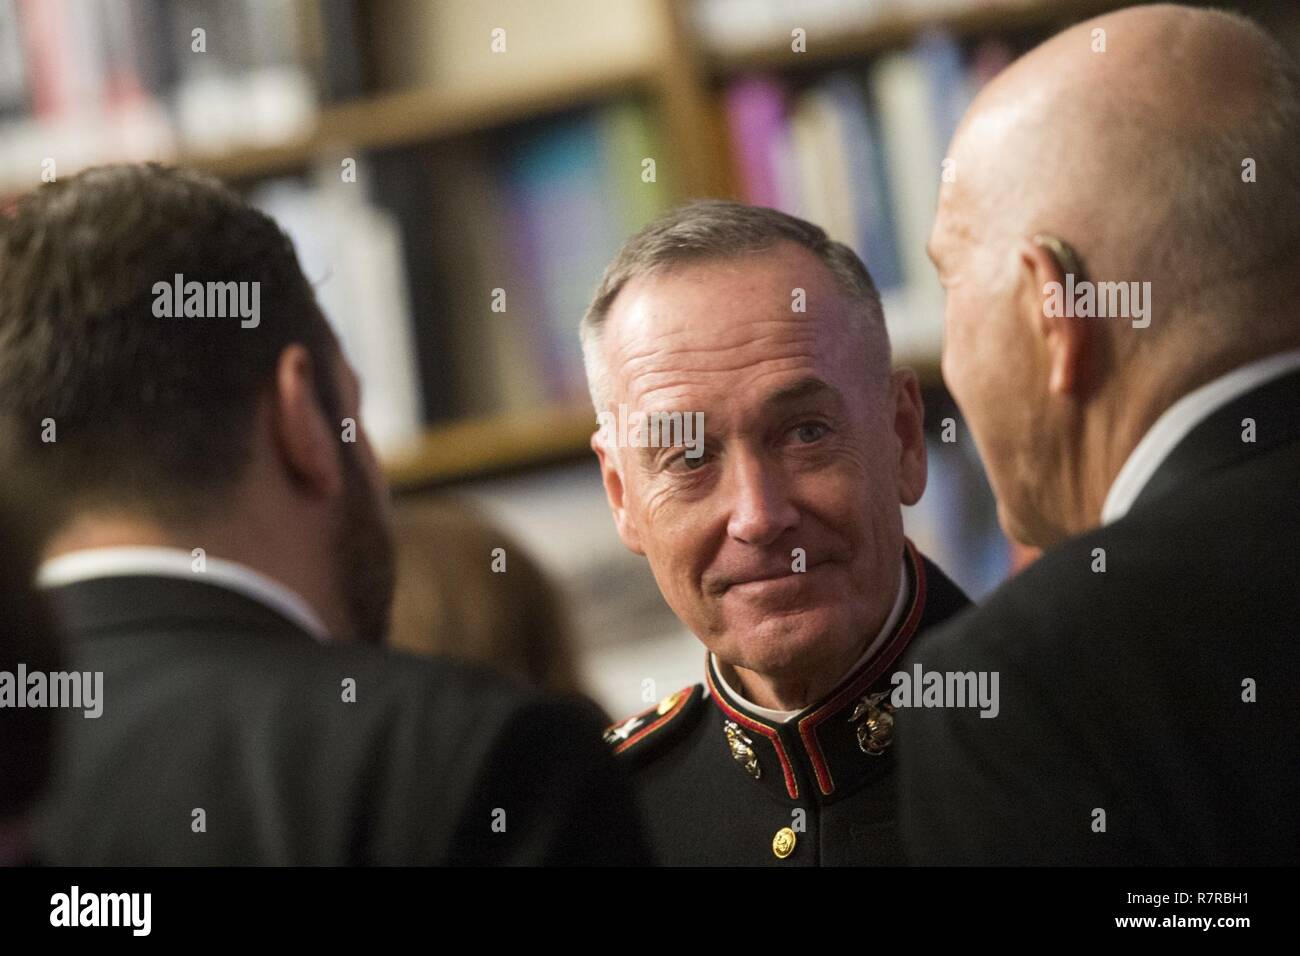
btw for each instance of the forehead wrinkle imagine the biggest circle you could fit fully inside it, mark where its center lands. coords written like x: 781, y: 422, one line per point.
x: 704, y: 393
x: 789, y: 333
x: 645, y: 373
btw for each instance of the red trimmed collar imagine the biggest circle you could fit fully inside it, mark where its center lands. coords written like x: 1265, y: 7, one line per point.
x: 817, y: 752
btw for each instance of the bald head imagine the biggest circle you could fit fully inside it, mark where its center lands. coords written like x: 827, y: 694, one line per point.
x: 1126, y: 136
x: 1153, y: 152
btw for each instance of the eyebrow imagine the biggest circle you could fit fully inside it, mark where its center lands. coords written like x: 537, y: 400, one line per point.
x: 805, y: 388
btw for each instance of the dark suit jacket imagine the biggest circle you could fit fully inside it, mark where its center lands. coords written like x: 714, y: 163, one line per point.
x: 215, y: 702
x: 1123, y: 691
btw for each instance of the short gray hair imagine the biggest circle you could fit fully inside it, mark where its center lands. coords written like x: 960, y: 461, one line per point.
x: 721, y: 229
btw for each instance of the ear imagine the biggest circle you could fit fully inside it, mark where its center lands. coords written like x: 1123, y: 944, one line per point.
x: 614, y: 492
x: 909, y: 426
x: 1049, y: 316
x: 308, y: 444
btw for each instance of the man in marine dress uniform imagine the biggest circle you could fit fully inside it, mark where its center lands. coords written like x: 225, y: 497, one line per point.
x: 774, y: 530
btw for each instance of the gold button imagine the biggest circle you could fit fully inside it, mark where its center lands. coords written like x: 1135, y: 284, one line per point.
x: 783, y: 843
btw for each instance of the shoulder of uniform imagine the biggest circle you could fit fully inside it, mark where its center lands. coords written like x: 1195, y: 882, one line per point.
x: 651, y: 729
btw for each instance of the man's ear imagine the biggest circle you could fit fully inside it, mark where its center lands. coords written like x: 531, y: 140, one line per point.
x: 307, y: 443
x: 909, y: 426
x: 614, y: 491
x: 1050, y: 317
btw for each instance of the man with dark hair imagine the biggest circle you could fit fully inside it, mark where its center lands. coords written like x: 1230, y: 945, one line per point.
x: 221, y: 554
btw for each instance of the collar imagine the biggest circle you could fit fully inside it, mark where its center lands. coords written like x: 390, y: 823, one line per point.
x: 95, y: 563
x: 1179, y: 419
x: 840, y: 741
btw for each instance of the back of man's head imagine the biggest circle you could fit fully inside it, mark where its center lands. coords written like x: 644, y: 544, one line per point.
x: 167, y: 379
x: 112, y: 393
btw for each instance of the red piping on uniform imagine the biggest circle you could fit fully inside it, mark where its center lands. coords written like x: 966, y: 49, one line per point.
x: 791, y: 784
x: 888, y: 654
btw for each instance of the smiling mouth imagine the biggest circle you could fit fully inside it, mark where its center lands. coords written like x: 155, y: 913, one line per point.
x: 773, y: 579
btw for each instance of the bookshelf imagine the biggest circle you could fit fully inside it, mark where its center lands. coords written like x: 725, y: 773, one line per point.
x: 421, y: 116
x: 679, y: 77
x: 474, y: 447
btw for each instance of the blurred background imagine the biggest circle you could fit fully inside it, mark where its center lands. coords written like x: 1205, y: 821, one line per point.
x: 457, y: 173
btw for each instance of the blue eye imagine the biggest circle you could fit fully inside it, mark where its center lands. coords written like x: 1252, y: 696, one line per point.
x: 809, y: 432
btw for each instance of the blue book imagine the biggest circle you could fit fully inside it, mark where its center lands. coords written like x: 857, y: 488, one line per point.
x: 868, y: 188
x: 562, y: 232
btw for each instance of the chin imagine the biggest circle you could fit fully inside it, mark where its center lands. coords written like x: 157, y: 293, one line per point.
x: 788, y: 642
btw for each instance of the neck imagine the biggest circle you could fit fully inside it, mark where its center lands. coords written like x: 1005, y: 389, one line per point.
x: 798, y: 691
x: 270, y: 553
x: 1121, y: 415
x: 780, y: 693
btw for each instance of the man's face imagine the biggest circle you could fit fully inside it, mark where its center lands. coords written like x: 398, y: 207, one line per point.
x: 364, y: 538
x: 803, y: 455
x: 989, y: 361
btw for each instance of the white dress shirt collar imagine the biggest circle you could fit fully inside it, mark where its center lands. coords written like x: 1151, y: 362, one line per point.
x: 781, y: 716
x: 1179, y: 419
x: 93, y: 563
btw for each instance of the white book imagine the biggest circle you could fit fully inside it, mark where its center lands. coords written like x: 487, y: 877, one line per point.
x: 350, y: 251
x: 913, y: 158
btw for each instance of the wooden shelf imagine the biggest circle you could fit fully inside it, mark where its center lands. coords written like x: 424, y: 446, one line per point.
x: 421, y: 116
x: 898, y: 28
x: 408, y: 117
x: 425, y: 115
x: 480, y: 446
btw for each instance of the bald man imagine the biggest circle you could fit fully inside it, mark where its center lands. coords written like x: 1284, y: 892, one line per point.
x: 1119, y: 252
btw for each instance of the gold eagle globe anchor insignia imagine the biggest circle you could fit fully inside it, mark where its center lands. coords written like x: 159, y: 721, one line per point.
x: 742, y: 749
x: 876, y: 730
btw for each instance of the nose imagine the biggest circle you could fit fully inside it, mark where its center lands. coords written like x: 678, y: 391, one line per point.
x: 761, y: 508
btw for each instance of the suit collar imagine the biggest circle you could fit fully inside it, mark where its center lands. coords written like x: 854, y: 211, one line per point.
x: 838, y: 741
x: 158, y: 562
x: 1218, y: 442
x: 1203, y: 430
x: 106, y: 606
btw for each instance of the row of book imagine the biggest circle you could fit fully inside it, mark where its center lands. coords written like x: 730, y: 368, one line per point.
x: 861, y: 152
x: 88, y: 81
x: 456, y: 275
x: 504, y: 235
